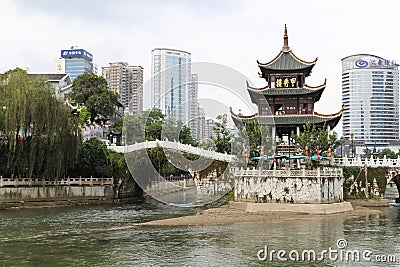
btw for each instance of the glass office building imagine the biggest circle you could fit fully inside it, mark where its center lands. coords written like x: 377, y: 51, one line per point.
x: 370, y: 95
x: 170, y: 85
x: 77, y: 62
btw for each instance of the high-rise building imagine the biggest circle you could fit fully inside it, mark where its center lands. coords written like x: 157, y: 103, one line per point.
x: 77, y: 62
x: 209, y: 129
x: 370, y: 95
x: 194, y: 118
x: 127, y: 81
x: 170, y: 85
x: 202, y: 124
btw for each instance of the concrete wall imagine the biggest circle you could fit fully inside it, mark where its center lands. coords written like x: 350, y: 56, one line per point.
x: 35, y: 193
x: 289, y: 189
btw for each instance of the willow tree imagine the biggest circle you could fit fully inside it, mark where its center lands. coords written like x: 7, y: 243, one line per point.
x: 39, y: 137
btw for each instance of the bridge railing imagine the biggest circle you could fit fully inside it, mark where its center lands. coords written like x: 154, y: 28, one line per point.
x: 175, y: 146
x: 4, y: 182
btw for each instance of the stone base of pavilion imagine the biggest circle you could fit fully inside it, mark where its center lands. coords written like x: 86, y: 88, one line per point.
x: 315, y: 209
x: 290, y: 186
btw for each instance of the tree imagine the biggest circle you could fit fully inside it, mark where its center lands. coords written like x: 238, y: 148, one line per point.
x: 223, y: 137
x: 388, y: 153
x: 84, y: 115
x: 185, y: 136
x: 258, y: 136
x: 91, y: 90
x: 313, y: 137
x: 39, y: 136
x: 157, y: 128
x: 154, y: 124
x: 93, y: 160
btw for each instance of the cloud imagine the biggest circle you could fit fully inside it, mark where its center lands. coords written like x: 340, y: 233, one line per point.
x: 232, y: 33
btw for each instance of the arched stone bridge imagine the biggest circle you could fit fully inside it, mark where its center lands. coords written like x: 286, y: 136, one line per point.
x: 175, y: 146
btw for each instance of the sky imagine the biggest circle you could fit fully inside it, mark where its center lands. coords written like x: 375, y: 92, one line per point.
x: 231, y: 33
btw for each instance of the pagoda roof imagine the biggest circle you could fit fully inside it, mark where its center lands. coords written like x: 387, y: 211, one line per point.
x: 286, y: 60
x: 291, y: 119
x: 305, y: 90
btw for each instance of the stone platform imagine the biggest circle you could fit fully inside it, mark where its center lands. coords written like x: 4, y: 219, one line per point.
x: 316, y: 209
x: 320, y: 185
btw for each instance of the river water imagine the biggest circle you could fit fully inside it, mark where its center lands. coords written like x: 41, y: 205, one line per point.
x: 109, y: 236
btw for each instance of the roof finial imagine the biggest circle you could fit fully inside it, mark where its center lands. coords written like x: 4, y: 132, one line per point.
x: 285, y: 40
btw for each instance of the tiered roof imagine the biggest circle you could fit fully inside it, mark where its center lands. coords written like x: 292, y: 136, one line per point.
x: 306, y: 90
x: 286, y: 63
x: 295, y: 120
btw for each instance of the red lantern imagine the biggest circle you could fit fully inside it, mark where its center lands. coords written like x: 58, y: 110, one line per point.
x: 306, y: 152
x: 329, y: 154
x: 262, y: 153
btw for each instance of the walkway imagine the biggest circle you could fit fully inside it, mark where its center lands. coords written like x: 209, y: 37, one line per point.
x: 175, y: 146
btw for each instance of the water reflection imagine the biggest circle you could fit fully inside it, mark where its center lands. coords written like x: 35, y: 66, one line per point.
x: 108, y: 236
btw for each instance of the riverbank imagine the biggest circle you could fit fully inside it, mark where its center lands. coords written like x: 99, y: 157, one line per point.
x: 56, y: 195
x: 233, y: 213
x: 53, y: 203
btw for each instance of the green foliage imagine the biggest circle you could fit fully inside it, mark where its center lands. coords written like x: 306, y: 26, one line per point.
x: 356, y: 174
x: 252, y: 137
x: 39, y: 137
x: 319, y: 138
x: 185, y: 136
x: 223, y: 138
x: 258, y: 136
x: 151, y: 126
x: 84, y: 115
x: 91, y: 90
x: 93, y: 160
x: 388, y: 153
x: 230, y: 196
x: 118, y: 125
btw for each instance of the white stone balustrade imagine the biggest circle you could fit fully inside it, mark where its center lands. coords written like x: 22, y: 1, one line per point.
x: 328, y: 172
x: 175, y: 146
x: 370, y: 162
x: 16, y: 182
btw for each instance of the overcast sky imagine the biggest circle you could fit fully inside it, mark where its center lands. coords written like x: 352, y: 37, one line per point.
x: 232, y: 33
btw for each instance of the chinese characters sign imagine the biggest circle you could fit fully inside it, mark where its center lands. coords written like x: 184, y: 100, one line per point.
x: 76, y: 53
x: 285, y: 82
x: 374, y: 63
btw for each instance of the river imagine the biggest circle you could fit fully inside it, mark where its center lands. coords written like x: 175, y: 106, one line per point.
x: 109, y: 236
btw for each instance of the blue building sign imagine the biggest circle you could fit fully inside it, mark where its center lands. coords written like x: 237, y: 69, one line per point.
x: 375, y: 63
x: 82, y: 53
